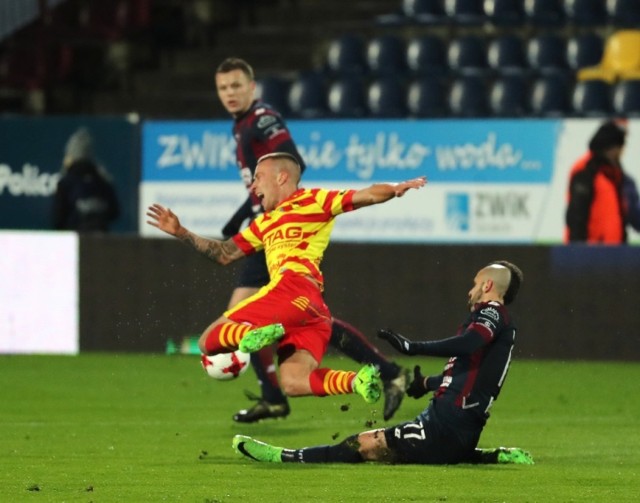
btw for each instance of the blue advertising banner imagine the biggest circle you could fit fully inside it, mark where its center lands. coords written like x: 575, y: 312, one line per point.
x: 450, y: 151
x: 31, y: 153
x: 489, y: 180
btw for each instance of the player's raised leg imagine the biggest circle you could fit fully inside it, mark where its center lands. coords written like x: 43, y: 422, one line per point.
x: 356, y: 346
x: 224, y: 335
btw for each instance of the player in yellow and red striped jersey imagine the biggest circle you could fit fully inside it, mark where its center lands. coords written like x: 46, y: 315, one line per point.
x: 294, y: 231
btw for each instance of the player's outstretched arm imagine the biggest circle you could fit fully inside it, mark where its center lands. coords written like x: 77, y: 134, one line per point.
x: 223, y: 252
x: 382, y: 192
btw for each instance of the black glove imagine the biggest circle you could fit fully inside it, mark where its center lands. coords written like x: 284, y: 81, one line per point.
x: 417, y: 388
x: 398, y: 341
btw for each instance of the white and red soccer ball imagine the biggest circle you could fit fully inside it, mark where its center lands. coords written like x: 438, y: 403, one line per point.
x: 226, y: 366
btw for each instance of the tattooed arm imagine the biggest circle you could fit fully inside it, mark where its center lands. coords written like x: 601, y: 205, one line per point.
x: 223, y: 252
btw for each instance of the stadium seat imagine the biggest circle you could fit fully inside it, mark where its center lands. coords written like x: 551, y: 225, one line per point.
x: 346, y: 56
x: 509, y: 97
x: 468, y: 97
x: 592, y: 98
x: 547, y: 53
x: 550, y: 96
x: 466, y: 55
x: 307, y: 97
x: 275, y: 92
x: 544, y: 13
x: 426, y: 97
x: 621, y: 58
x: 506, y: 55
x: 585, y: 13
x: 427, y: 55
x: 426, y: 12
x: 626, y: 98
x: 386, y: 98
x: 504, y: 13
x: 386, y: 55
x: 465, y: 12
x: 584, y: 51
x: 346, y: 98
x: 624, y: 13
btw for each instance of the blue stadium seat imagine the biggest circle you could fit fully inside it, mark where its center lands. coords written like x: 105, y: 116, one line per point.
x: 550, y: 96
x: 585, y: 13
x: 421, y: 12
x: 307, y: 97
x: 584, y: 50
x: 467, y: 55
x: 465, y: 12
x: 274, y: 91
x: 427, y: 55
x: 547, y: 53
x: 386, y: 98
x: 509, y: 97
x: 386, y: 55
x: 468, y: 97
x: 504, y: 13
x: 544, y: 13
x: 346, y: 98
x: 592, y: 98
x: 624, y: 13
x: 427, y: 97
x: 346, y: 56
x: 506, y: 55
x: 626, y: 98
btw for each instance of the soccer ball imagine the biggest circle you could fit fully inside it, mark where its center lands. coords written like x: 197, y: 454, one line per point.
x: 226, y: 366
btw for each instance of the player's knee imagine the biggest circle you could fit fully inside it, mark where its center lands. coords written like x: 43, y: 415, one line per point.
x: 202, y: 342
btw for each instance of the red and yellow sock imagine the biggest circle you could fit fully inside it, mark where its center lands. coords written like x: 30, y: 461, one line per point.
x: 225, y: 336
x: 325, y: 382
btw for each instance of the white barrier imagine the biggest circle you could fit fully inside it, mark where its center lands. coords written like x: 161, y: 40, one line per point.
x: 39, y: 310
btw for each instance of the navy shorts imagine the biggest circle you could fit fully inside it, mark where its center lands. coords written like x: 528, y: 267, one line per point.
x: 254, y: 272
x: 433, y: 438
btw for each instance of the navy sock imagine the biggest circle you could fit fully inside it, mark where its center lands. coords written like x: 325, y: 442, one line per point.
x: 356, y: 346
x: 344, y: 452
x: 269, y: 386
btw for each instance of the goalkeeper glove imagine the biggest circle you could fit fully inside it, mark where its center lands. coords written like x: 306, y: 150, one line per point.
x: 398, y: 341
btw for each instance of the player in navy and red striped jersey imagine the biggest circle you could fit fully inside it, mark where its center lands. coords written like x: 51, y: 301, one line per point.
x: 258, y: 130
x: 294, y: 231
x: 448, y: 430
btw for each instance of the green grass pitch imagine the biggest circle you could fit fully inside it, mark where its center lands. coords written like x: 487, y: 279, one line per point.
x: 138, y: 428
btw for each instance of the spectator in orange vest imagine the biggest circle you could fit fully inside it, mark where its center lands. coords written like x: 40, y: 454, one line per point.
x: 602, y: 198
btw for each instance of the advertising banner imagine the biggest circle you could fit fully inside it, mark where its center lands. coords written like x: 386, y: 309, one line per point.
x: 488, y: 180
x: 31, y: 153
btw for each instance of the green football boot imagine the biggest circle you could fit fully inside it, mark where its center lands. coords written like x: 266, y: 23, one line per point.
x: 368, y: 384
x: 261, y: 337
x: 514, y: 456
x: 256, y: 450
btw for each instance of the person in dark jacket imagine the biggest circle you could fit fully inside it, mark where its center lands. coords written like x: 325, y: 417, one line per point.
x: 602, y: 198
x: 85, y: 200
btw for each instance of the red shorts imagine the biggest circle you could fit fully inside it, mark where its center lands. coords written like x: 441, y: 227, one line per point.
x: 297, y: 303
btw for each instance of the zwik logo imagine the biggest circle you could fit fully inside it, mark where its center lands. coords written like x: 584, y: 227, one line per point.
x: 457, y: 211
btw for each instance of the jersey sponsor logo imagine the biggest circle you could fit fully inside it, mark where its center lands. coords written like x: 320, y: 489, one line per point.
x: 279, y: 235
x: 487, y: 323
x: 266, y: 121
x: 490, y: 312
